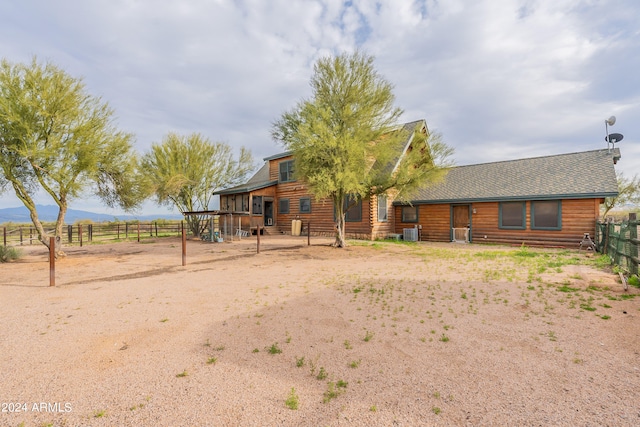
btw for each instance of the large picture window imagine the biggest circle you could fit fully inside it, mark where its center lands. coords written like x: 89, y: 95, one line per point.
x: 286, y: 171
x: 353, y: 209
x: 305, y: 205
x: 383, y: 213
x: 512, y: 215
x: 546, y: 215
x: 409, y: 214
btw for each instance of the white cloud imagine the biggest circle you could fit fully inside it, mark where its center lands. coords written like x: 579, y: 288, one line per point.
x: 500, y: 79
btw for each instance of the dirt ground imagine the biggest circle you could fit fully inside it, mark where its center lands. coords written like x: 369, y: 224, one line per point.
x: 374, y: 334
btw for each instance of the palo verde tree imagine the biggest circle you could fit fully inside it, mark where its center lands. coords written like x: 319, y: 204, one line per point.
x: 185, y: 171
x: 346, y: 142
x: 57, y: 139
x: 628, y: 192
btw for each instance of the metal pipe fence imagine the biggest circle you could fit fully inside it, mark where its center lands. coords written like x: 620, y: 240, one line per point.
x: 619, y: 240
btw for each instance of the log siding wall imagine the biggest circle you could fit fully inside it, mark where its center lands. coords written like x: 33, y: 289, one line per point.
x: 578, y: 217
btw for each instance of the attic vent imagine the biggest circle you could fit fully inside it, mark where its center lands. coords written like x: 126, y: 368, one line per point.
x: 410, y: 234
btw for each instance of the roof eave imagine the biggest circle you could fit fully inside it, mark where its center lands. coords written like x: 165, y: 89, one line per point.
x: 510, y: 198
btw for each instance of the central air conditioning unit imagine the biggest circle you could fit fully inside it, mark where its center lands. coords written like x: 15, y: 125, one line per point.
x: 410, y: 234
x: 269, y: 221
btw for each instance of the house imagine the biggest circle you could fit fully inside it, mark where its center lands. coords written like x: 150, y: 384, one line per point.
x: 542, y: 201
x: 273, y: 198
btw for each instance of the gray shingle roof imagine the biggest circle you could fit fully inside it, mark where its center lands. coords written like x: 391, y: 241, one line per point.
x: 259, y: 180
x: 576, y: 175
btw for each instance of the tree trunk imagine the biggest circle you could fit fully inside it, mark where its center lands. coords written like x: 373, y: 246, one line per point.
x: 340, y: 232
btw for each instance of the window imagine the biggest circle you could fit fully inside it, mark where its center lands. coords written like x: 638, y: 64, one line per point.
x: 257, y: 205
x: 353, y: 209
x: 512, y: 215
x: 383, y: 214
x: 409, y: 214
x: 283, y: 206
x: 546, y: 215
x: 305, y: 205
x: 286, y: 171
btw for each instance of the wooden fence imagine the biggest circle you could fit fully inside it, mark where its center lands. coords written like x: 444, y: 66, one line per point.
x: 102, y: 232
x: 619, y: 240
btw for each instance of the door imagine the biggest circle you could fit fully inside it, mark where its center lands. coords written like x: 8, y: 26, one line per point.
x: 461, y: 223
x: 268, y: 213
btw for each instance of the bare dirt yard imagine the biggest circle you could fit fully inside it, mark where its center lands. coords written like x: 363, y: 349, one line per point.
x: 375, y: 334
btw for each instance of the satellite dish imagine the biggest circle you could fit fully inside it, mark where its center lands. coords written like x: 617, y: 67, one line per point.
x: 613, y: 137
x: 611, y: 121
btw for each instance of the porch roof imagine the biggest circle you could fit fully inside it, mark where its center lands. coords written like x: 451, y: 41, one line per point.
x: 259, y: 180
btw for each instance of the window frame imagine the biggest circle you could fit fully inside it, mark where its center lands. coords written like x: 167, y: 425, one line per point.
x: 300, y: 201
x: 288, y: 165
x: 404, y: 217
x: 558, y: 227
x: 280, y: 204
x: 523, y: 206
x: 385, y: 208
x: 257, y: 201
x: 357, y: 208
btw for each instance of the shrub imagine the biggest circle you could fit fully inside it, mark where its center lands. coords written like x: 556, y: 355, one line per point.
x: 9, y: 253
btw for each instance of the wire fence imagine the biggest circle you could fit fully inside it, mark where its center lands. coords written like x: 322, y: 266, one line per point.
x: 619, y: 240
x: 79, y: 234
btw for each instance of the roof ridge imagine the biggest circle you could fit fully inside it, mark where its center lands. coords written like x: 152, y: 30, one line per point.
x: 536, y: 157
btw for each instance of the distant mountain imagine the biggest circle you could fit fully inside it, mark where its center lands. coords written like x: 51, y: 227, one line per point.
x: 49, y: 213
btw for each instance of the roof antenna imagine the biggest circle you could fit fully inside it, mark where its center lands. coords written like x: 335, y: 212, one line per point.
x: 614, y: 137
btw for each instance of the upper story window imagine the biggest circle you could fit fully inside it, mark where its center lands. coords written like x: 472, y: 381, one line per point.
x: 286, y: 171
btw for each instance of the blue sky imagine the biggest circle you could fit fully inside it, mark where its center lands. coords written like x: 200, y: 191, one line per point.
x: 500, y: 79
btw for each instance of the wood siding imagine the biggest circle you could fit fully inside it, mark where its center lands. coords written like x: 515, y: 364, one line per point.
x: 578, y: 217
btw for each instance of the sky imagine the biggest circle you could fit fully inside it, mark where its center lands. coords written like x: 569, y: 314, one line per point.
x: 499, y: 79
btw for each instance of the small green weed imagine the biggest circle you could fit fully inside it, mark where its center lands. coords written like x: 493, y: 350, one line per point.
x: 436, y: 410
x: 354, y: 364
x: 292, y: 400
x: 99, y: 414
x: 444, y: 338
x: 322, y: 374
x: 368, y: 336
x: 182, y: 374
x: 300, y: 362
x: 274, y: 349
x: 212, y: 360
x: 347, y: 345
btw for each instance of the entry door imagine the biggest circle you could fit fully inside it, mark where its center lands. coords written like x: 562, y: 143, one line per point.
x: 461, y: 223
x: 268, y: 213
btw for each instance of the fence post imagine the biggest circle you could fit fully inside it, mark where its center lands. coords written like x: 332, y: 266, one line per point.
x: 126, y: 230
x: 30, y: 235
x: 309, y: 233
x: 633, y: 240
x: 52, y: 261
x: 258, y: 237
x: 138, y: 231
x: 70, y: 233
x: 20, y: 228
x: 4, y: 233
x: 156, y: 223
x: 80, y: 234
x: 184, y: 247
